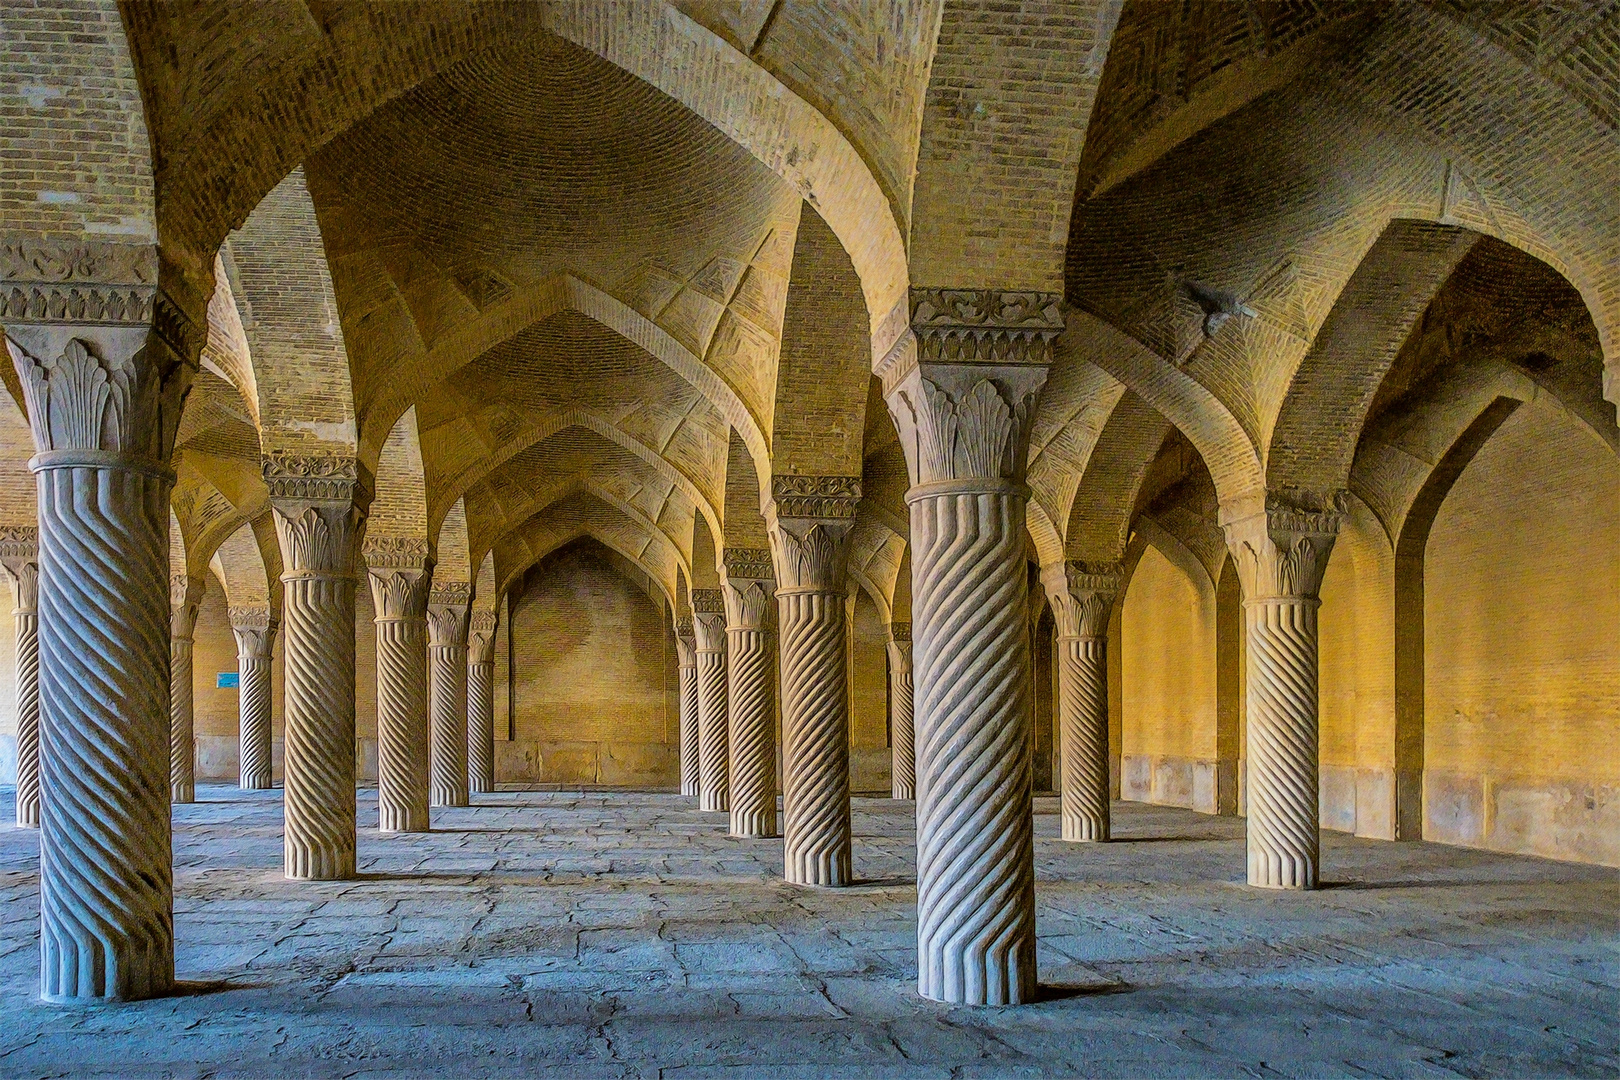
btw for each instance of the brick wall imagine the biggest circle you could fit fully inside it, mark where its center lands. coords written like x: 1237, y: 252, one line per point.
x: 594, y: 674
x: 1522, y: 646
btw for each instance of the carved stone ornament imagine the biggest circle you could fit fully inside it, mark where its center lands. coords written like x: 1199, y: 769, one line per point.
x: 19, y: 542
x: 708, y: 602
x: 484, y: 622
x: 748, y: 564
x: 834, y: 497
x: 966, y: 422
x: 1282, y: 551
x: 252, y: 617
x: 451, y: 594
x: 684, y: 627
x: 811, y: 554
x: 748, y: 603
x: 396, y: 552
x: 185, y: 591
x: 1082, y: 595
x: 900, y: 631
x: 993, y: 326
x: 315, y: 478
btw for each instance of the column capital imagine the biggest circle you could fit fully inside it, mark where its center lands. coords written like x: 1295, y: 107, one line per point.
x: 1082, y: 594
x: 709, y: 619
x: 255, y: 628
x: 1281, y: 548
x: 966, y: 422
x: 900, y: 655
x: 819, y: 498
x: 899, y: 632
x: 809, y: 521
x: 684, y: 629
x: 447, y: 613
x: 994, y: 326
x: 320, y: 504
x: 19, y: 554
x: 103, y: 345
x: 481, y: 636
x: 748, y: 602
x: 185, y: 593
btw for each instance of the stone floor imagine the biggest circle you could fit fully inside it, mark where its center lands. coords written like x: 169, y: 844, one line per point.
x: 618, y: 934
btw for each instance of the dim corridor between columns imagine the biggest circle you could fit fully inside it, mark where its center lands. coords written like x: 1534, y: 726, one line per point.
x: 612, y: 932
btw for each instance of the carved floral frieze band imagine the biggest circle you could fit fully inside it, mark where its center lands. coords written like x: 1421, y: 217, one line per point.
x: 316, y: 477
x: 745, y: 564
x: 985, y: 325
x: 834, y: 497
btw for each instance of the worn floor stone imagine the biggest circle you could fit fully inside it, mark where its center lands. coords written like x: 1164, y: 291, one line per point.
x: 620, y: 934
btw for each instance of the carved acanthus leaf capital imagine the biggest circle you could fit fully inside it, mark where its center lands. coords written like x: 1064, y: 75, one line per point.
x: 966, y: 421
x: 683, y: 627
x: 810, y: 554
x: 1082, y: 596
x: 985, y: 326
x: 447, y: 625
x: 748, y: 603
x: 399, y: 593
x: 900, y: 656
x: 709, y: 626
x: 747, y: 564
x: 185, y: 590
x: 255, y: 628
x: 822, y: 497
x: 318, y: 538
x: 19, y: 554
x: 1282, y: 550
x: 481, y: 637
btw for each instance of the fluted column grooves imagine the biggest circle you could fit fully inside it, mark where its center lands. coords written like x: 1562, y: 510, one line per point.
x: 815, y: 739
x: 402, y: 723
x: 975, y: 842
x: 713, y: 734
x: 27, y: 716
x: 1283, y: 837
x: 318, y: 616
x: 691, y: 767
x: 182, y: 738
x: 752, y: 734
x: 903, y: 766
x: 253, y: 722
x: 1083, y: 699
x: 481, y: 726
x: 105, y: 877
x: 447, y: 675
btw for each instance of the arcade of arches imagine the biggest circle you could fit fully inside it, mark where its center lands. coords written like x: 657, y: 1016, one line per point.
x: 974, y: 410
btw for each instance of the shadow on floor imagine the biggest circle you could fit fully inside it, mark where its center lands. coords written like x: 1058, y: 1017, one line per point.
x: 1059, y: 991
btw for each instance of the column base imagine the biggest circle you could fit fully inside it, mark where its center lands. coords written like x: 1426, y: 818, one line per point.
x: 254, y: 783
x: 186, y: 793
x: 1085, y: 831
x: 753, y: 826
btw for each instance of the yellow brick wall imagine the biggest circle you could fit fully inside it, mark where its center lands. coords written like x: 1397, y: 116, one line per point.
x: 1522, y: 646
x: 1167, y: 683
x: 594, y: 675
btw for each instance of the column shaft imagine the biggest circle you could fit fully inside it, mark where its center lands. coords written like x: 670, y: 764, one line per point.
x: 184, y: 594
x: 400, y: 599
x: 106, y: 874
x: 752, y: 733
x: 686, y: 653
x: 975, y: 835
x: 481, y: 702
x: 903, y: 765
x: 713, y: 714
x: 1083, y: 705
x: 447, y: 694
x: 1283, y: 828
x: 815, y: 738
x: 22, y: 560
x: 255, y: 633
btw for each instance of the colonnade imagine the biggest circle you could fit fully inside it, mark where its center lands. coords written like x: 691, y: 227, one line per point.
x: 109, y: 632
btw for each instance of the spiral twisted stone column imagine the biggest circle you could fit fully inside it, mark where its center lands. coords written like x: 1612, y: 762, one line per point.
x: 319, y: 512
x: 1082, y: 596
x: 750, y: 694
x: 686, y: 653
x: 447, y: 691
x: 965, y: 428
x: 19, y: 552
x: 401, y: 574
x: 1281, y: 553
x: 709, y: 622
x: 810, y: 520
x: 255, y: 630
x: 97, y: 395
x: 184, y: 594
x: 903, y: 766
x: 481, y: 702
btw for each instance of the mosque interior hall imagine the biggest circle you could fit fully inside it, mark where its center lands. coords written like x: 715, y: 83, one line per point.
x: 826, y: 538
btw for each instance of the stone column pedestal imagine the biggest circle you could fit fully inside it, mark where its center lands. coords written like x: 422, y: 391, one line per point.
x: 709, y: 621
x: 809, y: 521
x: 185, y: 593
x: 104, y: 357
x: 255, y: 630
x: 686, y: 655
x: 962, y: 402
x: 19, y: 553
x: 1281, y: 553
x: 447, y: 693
x: 481, y: 702
x: 1082, y: 596
x: 750, y: 693
x: 319, y: 505
x: 903, y: 750
x: 401, y: 573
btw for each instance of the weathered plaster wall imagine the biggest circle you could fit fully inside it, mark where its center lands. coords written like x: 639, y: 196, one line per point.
x: 869, y: 698
x: 592, y: 660
x: 1522, y: 647
x: 1357, y: 680
x: 1167, y: 676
